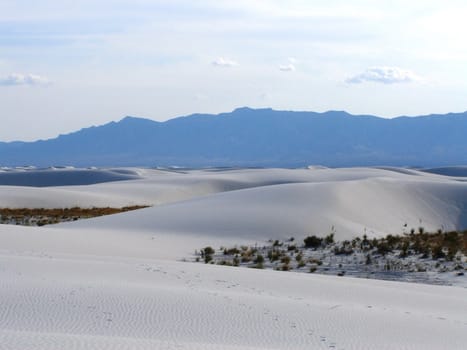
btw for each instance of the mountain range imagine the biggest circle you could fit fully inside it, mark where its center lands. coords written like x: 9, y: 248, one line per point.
x: 254, y: 137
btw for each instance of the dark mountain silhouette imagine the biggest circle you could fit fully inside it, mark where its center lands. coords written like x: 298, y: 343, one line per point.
x: 255, y: 137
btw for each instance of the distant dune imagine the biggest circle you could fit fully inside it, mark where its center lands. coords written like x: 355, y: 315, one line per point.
x: 257, y: 204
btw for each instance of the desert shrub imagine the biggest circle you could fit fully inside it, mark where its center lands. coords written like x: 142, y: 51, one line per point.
x: 421, y: 268
x: 392, y: 241
x: 404, y: 250
x: 231, y: 251
x: 437, y: 252
x: 208, y: 251
x: 452, y: 240
x: 313, y: 269
x: 276, y: 243
x: 373, y: 243
x: 312, y: 242
x: 383, y: 248
x: 344, y: 249
x: 245, y: 258
x: 259, y: 259
x: 365, y: 243
x: 451, y: 254
x: 273, y: 255
x: 355, y: 242
x: 258, y: 266
x: 329, y: 239
x: 285, y: 259
x: 315, y: 261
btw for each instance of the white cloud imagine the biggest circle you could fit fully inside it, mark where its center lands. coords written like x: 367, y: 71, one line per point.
x: 287, y: 67
x: 15, y: 79
x: 224, y: 62
x: 385, y: 75
x: 290, y: 67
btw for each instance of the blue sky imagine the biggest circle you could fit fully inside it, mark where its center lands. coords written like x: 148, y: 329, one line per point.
x: 65, y: 65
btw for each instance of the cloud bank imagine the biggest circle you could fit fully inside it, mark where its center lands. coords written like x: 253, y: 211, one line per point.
x: 16, y: 79
x: 224, y: 62
x: 385, y: 75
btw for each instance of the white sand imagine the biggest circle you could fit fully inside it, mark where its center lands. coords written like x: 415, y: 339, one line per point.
x: 117, y: 282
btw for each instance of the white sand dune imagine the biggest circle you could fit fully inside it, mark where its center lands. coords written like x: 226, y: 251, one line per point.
x: 352, y: 202
x: 117, y: 282
x: 52, y: 302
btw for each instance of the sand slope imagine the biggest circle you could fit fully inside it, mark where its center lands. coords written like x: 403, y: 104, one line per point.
x: 76, y: 302
x: 262, y: 204
x: 117, y: 282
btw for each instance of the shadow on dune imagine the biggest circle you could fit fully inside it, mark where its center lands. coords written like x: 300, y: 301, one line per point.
x: 63, y: 177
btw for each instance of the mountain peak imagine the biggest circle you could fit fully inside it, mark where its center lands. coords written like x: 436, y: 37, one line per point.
x: 130, y: 118
x: 133, y: 120
x: 249, y: 109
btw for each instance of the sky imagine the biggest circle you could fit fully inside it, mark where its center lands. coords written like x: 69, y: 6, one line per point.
x: 65, y: 65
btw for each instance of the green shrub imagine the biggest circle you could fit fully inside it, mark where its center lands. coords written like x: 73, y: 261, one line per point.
x: 383, y: 248
x: 312, y: 242
x: 437, y: 252
x: 231, y: 251
x: 259, y: 259
x: 329, y: 239
x: 316, y: 261
x: 208, y: 251
x: 273, y: 255
x: 258, y: 266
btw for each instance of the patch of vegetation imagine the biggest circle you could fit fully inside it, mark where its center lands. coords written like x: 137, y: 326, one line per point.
x: 45, y: 216
x: 389, y: 257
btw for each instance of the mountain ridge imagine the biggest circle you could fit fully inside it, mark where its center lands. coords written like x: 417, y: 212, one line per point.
x: 254, y: 137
